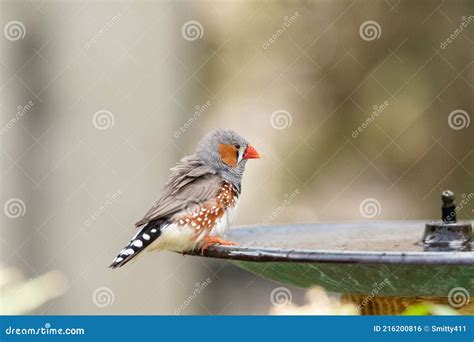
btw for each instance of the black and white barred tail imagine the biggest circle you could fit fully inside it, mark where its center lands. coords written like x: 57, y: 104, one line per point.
x: 148, y: 233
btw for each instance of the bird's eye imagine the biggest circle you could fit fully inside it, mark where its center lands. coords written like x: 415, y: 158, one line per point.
x: 237, y: 146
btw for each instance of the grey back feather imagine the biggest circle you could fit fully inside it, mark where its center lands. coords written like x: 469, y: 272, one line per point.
x: 190, y: 183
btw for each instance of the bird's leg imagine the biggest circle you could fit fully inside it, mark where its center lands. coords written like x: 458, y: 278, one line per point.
x: 214, y: 240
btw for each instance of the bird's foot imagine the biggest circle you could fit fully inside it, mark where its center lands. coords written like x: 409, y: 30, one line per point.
x: 213, y: 240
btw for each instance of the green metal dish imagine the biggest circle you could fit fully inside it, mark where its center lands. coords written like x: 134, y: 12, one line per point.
x: 378, y: 258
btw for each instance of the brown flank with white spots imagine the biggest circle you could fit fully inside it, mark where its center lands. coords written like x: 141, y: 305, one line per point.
x: 211, y: 212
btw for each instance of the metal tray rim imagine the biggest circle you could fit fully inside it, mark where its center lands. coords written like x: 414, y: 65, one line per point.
x: 265, y: 254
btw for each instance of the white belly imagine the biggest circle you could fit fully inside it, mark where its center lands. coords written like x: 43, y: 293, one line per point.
x: 174, y: 238
x: 178, y: 238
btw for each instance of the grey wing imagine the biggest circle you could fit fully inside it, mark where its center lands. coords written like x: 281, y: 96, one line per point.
x: 186, y: 187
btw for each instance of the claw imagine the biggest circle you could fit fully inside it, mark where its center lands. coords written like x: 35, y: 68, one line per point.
x: 212, y: 240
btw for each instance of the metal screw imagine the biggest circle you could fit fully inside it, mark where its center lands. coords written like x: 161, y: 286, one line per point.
x: 448, y: 211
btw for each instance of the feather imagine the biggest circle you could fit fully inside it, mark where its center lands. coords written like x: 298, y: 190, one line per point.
x: 147, y: 234
x: 190, y: 183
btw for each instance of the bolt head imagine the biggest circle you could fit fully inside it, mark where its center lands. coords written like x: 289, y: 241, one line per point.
x: 447, y: 197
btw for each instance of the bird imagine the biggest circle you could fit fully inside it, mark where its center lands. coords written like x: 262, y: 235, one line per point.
x: 199, y: 201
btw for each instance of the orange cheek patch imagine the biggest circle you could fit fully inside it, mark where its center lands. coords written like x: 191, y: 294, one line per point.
x: 228, y: 154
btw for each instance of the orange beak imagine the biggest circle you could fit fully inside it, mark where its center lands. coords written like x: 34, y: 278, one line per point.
x: 251, y: 153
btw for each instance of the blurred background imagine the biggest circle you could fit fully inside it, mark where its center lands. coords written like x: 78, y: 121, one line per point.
x: 347, y: 101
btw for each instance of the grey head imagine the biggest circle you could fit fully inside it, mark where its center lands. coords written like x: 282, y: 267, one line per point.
x: 226, y: 152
